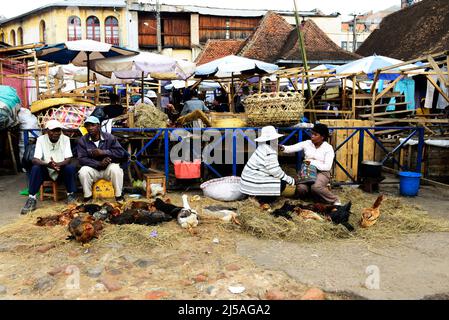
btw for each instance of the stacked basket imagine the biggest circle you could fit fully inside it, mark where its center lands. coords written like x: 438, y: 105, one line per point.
x: 281, y: 109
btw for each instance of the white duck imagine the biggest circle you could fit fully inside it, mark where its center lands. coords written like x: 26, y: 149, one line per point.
x: 187, y: 217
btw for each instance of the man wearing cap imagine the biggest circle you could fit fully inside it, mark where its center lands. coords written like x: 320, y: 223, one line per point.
x: 318, y: 153
x: 147, y: 99
x: 51, y: 160
x: 99, y: 154
x: 262, y: 175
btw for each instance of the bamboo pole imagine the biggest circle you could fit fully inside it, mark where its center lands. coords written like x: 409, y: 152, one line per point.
x: 36, y: 74
x: 302, y: 49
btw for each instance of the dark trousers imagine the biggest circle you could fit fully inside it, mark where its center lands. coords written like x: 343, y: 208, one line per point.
x: 270, y: 199
x: 40, y: 173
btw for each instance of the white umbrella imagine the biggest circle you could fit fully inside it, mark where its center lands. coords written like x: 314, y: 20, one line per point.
x: 233, y: 65
x: 369, y: 65
x: 157, y: 65
x: 80, y: 52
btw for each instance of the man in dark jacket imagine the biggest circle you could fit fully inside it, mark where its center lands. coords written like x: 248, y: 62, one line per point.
x: 99, y: 154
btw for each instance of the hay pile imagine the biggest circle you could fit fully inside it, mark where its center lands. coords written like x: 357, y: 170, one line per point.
x: 147, y: 116
x: 397, y: 218
x: 139, y: 237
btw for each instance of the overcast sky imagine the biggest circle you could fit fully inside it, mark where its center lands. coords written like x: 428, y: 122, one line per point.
x: 327, y: 6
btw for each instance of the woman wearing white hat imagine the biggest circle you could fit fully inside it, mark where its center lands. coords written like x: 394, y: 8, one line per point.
x: 262, y: 176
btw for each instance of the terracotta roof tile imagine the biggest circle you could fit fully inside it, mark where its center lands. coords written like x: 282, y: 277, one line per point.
x: 319, y: 47
x: 269, y: 38
x: 215, y: 49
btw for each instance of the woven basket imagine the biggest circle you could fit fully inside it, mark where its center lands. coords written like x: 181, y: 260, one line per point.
x: 279, y: 109
x: 72, y: 117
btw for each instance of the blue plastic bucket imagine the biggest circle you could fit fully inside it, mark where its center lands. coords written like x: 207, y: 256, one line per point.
x: 409, y: 183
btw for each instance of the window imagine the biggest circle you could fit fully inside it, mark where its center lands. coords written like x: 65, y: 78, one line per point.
x: 344, y: 45
x: 74, y: 28
x: 42, y: 33
x: 20, y: 36
x: 93, y: 28
x: 112, y: 31
x: 12, y: 38
x: 2, y: 37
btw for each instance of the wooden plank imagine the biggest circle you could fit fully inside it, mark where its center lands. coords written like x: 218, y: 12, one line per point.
x: 439, y: 72
x: 383, y: 105
x: 406, y: 120
x: 385, y: 113
x: 390, y: 86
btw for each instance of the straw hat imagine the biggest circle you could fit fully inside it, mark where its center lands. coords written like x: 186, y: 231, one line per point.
x: 268, y: 133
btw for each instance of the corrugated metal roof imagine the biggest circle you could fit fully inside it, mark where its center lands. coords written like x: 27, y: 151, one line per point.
x: 71, y: 3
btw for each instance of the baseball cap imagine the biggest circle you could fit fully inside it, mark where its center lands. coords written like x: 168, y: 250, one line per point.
x: 92, y: 119
x: 53, y: 124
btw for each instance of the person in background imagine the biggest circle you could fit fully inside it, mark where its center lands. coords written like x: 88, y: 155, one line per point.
x: 193, y: 104
x: 51, y: 160
x: 262, y: 175
x: 319, y: 153
x: 99, y: 154
x: 149, y: 98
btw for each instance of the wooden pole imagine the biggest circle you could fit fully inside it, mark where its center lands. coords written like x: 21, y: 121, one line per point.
x: 141, y: 87
x: 36, y: 74
x: 354, y: 79
x: 373, y: 92
x: 302, y: 49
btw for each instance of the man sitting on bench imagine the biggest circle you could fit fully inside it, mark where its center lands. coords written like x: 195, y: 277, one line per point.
x: 99, y: 154
x: 51, y: 161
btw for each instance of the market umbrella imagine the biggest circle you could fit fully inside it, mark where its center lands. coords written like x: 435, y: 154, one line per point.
x: 156, y: 65
x: 80, y: 52
x: 153, y: 64
x: 369, y: 65
x: 230, y: 66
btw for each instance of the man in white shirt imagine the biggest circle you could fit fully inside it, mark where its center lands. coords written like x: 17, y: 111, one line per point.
x: 51, y: 160
x: 319, y: 153
x: 148, y: 98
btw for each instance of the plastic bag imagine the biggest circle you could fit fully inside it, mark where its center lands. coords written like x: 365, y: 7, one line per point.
x: 223, y: 189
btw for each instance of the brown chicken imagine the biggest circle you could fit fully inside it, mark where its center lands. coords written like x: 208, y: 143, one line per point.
x: 62, y: 219
x: 370, y: 215
x: 83, y: 229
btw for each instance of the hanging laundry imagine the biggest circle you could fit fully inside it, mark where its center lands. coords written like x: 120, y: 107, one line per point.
x: 433, y: 97
x: 406, y: 87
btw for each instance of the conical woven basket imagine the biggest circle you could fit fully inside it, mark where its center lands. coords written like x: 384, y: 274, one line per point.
x: 279, y: 109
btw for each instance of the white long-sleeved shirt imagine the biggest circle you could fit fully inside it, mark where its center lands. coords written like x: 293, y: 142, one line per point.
x: 322, y: 157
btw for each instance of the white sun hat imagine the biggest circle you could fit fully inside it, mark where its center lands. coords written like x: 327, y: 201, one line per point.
x: 268, y: 133
x: 151, y: 94
x: 53, y: 124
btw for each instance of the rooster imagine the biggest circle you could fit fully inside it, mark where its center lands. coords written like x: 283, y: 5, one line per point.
x: 370, y: 215
x: 83, y: 229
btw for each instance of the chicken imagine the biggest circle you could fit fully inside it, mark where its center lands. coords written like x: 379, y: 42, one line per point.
x: 223, y: 213
x: 140, y: 216
x: 83, y: 229
x: 308, y: 214
x: 340, y: 215
x: 62, y: 219
x: 187, y: 217
x: 370, y: 215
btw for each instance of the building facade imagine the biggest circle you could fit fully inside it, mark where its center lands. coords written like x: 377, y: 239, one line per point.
x: 69, y: 20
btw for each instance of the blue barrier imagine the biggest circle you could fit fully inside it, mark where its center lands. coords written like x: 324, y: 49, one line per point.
x: 290, y: 133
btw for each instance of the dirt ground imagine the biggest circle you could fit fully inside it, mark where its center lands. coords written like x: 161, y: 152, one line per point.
x: 207, y: 265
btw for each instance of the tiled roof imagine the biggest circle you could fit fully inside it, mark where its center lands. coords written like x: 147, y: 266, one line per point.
x: 215, y: 49
x: 269, y: 38
x: 319, y: 46
x: 420, y: 29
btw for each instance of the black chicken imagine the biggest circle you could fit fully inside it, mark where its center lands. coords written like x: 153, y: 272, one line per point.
x: 167, y: 208
x: 284, y: 211
x: 140, y: 216
x: 340, y: 215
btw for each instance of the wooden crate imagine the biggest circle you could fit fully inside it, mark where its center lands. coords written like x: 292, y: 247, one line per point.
x: 348, y: 154
x: 155, y: 178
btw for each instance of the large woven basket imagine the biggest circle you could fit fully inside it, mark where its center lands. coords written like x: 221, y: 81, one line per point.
x: 274, y: 108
